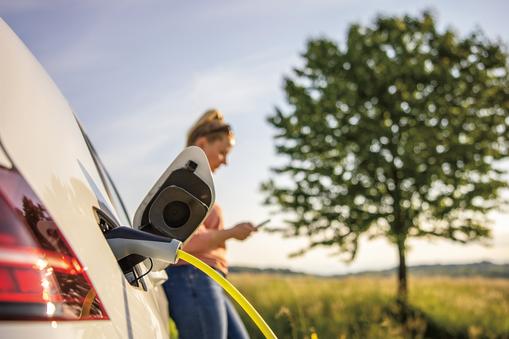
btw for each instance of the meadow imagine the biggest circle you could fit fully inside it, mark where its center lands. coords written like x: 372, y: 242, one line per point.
x: 364, y: 307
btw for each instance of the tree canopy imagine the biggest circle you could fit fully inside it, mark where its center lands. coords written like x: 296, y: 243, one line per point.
x: 396, y: 133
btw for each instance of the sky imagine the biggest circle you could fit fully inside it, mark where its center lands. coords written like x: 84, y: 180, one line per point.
x: 139, y: 73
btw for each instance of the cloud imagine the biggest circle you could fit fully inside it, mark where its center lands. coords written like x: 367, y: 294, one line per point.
x: 147, y: 136
x: 237, y: 89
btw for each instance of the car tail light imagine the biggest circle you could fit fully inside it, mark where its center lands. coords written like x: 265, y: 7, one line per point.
x: 41, y: 277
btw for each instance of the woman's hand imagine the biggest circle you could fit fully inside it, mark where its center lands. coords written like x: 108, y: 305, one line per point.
x: 242, y: 231
x: 213, y: 238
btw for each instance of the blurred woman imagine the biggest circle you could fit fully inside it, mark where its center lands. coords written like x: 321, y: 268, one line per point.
x: 197, y: 304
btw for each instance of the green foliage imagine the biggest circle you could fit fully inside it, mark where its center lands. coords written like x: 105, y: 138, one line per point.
x: 396, y: 133
x: 363, y: 307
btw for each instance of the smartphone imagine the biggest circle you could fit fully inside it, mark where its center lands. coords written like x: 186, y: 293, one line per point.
x: 262, y: 223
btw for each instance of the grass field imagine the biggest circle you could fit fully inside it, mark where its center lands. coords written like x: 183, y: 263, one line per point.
x: 363, y: 307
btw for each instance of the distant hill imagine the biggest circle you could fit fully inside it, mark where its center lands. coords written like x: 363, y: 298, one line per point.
x: 484, y: 269
x: 255, y: 270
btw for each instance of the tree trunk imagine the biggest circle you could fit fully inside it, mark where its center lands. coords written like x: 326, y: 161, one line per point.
x: 402, y: 297
x: 402, y: 276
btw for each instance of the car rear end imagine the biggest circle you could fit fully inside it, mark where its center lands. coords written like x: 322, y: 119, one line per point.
x: 58, y: 276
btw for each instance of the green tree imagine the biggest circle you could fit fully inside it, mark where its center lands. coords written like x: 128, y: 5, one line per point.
x: 398, y: 133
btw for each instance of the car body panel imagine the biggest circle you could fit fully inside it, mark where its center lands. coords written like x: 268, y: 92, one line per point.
x: 44, y: 141
x: 59, y: 330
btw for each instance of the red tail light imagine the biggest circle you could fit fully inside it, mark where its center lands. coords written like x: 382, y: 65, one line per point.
x: 40, y: 276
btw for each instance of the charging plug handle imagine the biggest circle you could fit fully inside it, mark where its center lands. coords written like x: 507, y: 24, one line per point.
x: 131, y: 246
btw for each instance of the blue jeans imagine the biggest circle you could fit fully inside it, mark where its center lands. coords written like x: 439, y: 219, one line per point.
x: 199, y: 307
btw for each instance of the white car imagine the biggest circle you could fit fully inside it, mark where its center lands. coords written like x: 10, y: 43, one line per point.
x: 64, y: 272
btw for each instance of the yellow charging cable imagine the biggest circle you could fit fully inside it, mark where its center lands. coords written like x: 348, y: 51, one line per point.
x: 228, y: 287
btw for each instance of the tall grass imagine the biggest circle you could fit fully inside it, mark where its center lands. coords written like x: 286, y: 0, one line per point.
x: 363, y: 307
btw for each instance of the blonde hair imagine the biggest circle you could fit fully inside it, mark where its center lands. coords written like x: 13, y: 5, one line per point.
x: 212, y: 126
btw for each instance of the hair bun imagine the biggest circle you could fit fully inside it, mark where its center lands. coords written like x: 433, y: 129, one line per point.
x: 211, y: 120
x: 213, y: 114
